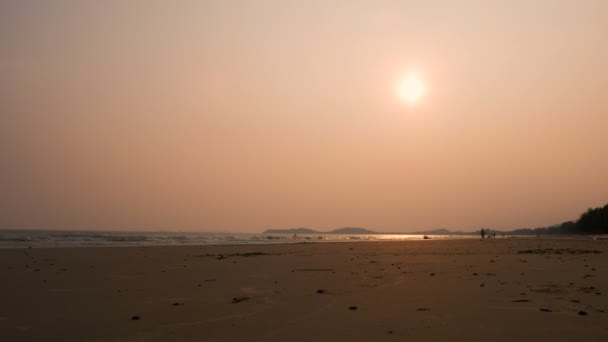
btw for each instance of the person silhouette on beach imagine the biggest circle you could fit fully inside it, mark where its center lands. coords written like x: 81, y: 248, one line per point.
x: 483, y: 234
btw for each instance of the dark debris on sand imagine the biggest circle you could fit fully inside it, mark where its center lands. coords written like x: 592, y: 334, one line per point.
x: 559, y: 251
x: 239, y: 299
x: 224, y: 256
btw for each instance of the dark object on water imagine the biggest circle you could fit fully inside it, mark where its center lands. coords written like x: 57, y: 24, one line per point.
x: 426, y: 237
x: 239, y: 299
x: 352, y: 308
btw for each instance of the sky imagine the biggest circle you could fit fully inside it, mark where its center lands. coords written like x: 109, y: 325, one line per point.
x: 242, y: 116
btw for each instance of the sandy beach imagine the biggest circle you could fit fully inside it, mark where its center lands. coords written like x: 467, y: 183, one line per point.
x: 492, y: 290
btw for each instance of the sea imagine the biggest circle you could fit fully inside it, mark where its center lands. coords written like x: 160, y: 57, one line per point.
x: 75, y: 238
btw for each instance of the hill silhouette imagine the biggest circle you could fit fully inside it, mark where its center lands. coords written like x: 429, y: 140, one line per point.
x: 352, y: 230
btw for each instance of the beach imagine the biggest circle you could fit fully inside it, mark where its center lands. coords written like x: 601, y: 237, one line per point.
x: 499, y: 289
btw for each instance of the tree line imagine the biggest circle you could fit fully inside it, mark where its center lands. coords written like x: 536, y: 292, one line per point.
x: 593, y: 221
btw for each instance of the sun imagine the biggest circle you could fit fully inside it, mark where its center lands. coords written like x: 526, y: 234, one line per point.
x: 411, y: 89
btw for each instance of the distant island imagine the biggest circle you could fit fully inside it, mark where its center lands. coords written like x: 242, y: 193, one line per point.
x: 345, y: 230
x: 442, y: 232
x: 363, y: 231
x: 293, y: 231
x: 593, y: 221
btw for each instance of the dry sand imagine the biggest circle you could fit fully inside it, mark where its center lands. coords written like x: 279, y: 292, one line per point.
x: 362, y: 291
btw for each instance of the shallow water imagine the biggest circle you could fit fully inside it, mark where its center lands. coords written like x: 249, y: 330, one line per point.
x: 73, y: 238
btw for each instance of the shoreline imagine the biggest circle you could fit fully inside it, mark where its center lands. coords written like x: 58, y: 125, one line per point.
x: 316, y: 241
x: 58, y: 239
x: 313, y: 241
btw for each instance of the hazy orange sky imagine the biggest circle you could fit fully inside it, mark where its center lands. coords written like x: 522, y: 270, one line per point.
x: 247, y: 115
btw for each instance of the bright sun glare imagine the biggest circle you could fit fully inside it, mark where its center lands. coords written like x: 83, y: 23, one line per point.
x: 411, y: 89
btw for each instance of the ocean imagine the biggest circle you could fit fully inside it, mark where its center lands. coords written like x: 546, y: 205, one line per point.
x: 74, y: 238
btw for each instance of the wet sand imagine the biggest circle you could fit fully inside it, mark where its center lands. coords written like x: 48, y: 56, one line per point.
x: 492, y: 290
